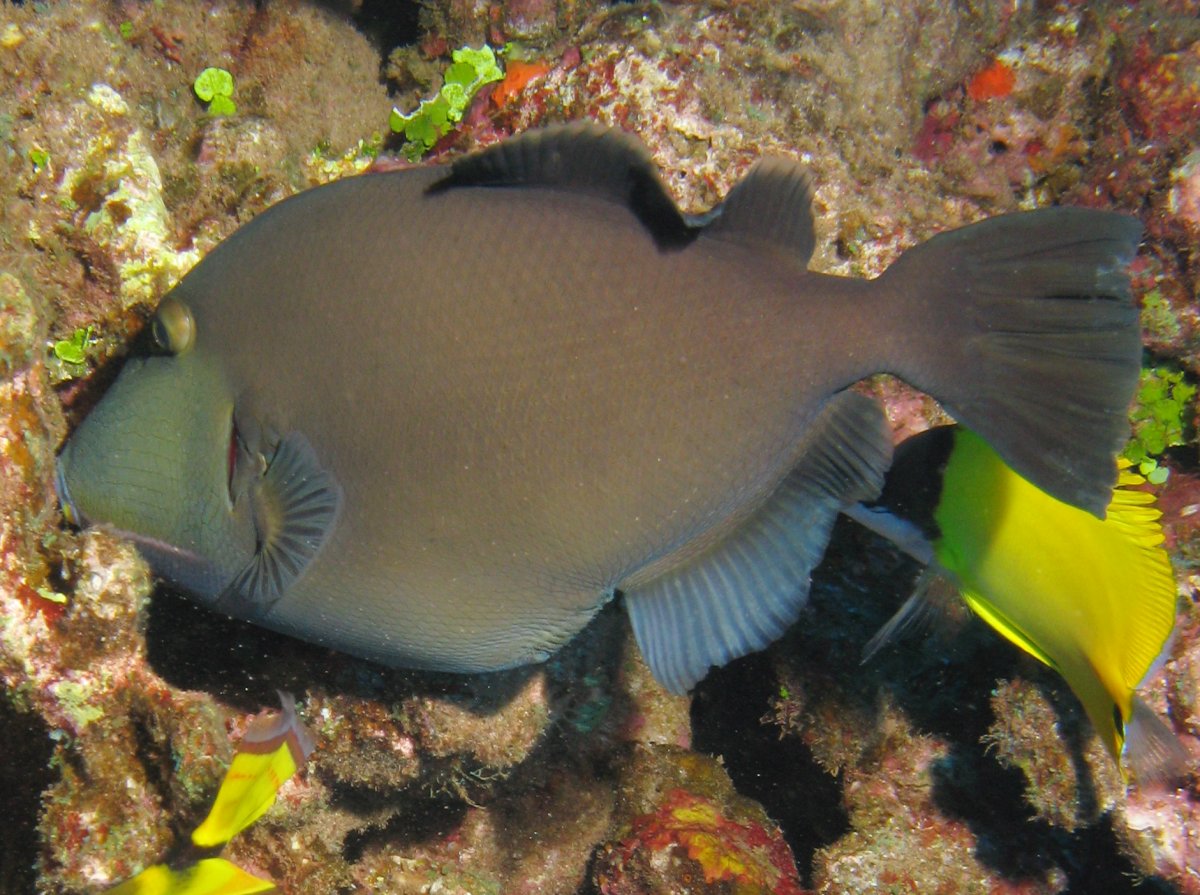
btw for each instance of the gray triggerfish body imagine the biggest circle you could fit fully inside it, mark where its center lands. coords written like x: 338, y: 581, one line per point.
x: 437, y: 417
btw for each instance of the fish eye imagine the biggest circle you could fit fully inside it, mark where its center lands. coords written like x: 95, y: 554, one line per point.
x: 173, y: 327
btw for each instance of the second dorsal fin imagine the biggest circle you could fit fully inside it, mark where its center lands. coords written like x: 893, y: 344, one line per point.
x: 580, y: 157
x: 770, y: 207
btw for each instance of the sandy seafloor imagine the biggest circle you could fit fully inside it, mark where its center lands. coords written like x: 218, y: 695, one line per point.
x: 950, y: 764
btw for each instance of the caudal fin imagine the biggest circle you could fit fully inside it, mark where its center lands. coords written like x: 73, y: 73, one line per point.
x: 1152, y: 751
x: 1030, y: 338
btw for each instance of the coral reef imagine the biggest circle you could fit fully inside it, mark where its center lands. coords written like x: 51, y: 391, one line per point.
x: 1033, y: 735
x: 949, y: 764
x: 682, y: 828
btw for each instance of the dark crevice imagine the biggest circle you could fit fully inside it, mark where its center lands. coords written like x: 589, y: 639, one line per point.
x: 780, y: 774
x: 389, y: 23
x: 415, y: 823
x: 24, y: 774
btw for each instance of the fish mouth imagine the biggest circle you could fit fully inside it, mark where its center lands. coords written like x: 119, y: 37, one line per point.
x: 70, y: 511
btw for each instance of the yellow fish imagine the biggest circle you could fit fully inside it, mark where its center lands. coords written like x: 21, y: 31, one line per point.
x: 271, y: 751
x: 211, y: 876
x: 1092, y: 598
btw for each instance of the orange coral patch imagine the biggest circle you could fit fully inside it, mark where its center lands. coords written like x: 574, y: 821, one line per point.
x: 517, y: 76
x: 740, y: 852
x: 995, y: 81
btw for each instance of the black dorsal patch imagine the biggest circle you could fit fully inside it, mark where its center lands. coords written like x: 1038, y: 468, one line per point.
x: 913, y: 488
x: 584, y: 158
x: 770, y: 207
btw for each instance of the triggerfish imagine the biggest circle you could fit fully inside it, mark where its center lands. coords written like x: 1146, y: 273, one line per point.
x: 271, y: 751
x: 437, y: 417
x: 1095, y: 599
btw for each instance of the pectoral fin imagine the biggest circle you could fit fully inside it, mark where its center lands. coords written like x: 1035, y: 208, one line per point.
x: 296, y: 505
x: 934, y: 591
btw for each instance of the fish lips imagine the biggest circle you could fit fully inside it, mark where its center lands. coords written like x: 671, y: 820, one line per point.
x: 192, y: 571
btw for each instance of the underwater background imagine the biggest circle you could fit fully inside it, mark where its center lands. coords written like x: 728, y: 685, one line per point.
x: 951, y: 763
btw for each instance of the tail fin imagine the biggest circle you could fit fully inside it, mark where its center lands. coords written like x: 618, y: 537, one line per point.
x: 1035, y: 343
x: 1152, y: 751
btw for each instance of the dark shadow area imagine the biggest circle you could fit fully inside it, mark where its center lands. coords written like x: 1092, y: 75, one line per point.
x: 24, y: 774
x: 389, y: 23
x: 577, y: 745
x: 414, y: 823
x: 1074, y: 728
x: 194, y: 648
x: 1094, y: 864
x: 989, y: 799
x: 778, y: 773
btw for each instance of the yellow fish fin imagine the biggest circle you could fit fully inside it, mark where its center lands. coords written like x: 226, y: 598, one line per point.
x: 982, y: 607
x: 211, y: 876
x: 1152, y: 750
x: 156, y: 880
x: 270, y: 752
x: 1152, y: 594
x: 1134, y: 511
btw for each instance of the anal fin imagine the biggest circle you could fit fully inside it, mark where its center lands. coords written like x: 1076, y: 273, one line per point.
x: 744, y: 591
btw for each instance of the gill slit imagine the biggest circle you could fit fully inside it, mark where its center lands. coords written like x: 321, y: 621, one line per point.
x: 231, y: 459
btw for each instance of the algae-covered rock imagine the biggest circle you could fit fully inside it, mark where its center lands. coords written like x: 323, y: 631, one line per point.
x: 681, y: 827
x: 1068, y: 783
x: 116, y: 188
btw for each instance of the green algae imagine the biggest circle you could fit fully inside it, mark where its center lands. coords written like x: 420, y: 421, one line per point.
x: 1159, y: 320
x: 74, y: 349
x: 1162, y: 415
x: 215, y: 87
x: 435, y: 117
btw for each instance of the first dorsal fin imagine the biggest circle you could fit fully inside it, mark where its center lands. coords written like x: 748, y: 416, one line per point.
x: 770, y: 206
x: 580, y: 157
